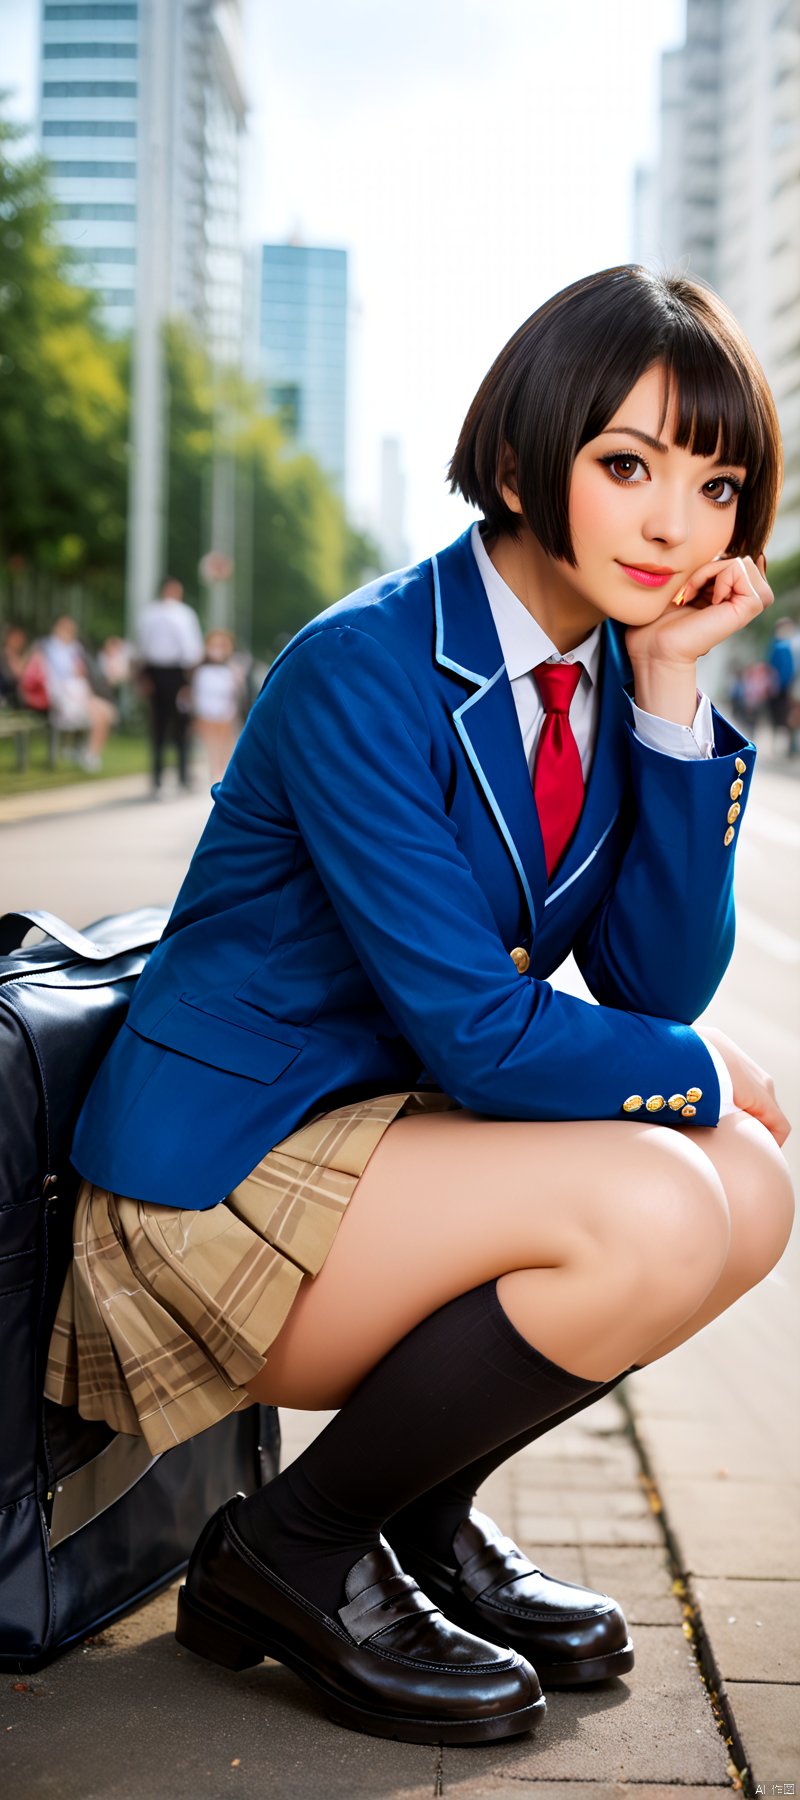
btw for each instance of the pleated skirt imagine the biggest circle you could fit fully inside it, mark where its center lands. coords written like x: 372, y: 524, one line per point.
x: 165, y: 1313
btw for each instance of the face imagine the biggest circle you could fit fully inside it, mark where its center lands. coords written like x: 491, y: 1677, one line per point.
x: 635, y: 507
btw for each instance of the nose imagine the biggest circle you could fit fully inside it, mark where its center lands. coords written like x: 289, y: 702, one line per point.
x: 667, y: 521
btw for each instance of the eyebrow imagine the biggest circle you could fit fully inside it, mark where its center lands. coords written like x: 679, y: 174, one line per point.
x: 631, y: 431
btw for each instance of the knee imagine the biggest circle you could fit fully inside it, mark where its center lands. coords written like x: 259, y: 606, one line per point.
x: 761, y: 1199
x: 672, y: 1224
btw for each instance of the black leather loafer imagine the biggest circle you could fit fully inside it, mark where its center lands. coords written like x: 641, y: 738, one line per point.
x: 389, y: 1663
x: 571, y: 1634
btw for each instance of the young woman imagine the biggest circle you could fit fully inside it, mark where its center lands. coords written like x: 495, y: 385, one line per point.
x: 351, y: 1149
x: 217, y: 697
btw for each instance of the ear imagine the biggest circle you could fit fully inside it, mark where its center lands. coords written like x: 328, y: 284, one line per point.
x: 507, y: 480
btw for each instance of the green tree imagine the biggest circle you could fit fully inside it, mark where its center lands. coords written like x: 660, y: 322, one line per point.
x: 64, y: 417
x: 63, y: 396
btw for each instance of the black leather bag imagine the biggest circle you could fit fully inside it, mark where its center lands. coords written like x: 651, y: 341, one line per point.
x: 90, y: 1522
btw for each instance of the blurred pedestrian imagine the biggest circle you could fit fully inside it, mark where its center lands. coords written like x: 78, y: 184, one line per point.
x: 782, y: 661
x: 170, y: 647
x: 12, y: 663
x: 115, y: 661
x: 751, y: 690
x: 61, y: 668
x: 218, y: 694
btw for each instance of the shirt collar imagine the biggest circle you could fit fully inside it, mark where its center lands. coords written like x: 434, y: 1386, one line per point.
x: 523, y: 641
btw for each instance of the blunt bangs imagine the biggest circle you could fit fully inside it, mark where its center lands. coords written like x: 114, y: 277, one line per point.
x: 565, y: 373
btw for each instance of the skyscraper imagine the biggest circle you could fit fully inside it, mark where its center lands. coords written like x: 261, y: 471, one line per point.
x: 303, y: 340
x: 723, y: 201
x: 88, y: 125
x: 96, y: 73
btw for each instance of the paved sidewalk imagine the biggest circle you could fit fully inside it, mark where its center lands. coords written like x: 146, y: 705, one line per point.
x: 129, y: 1716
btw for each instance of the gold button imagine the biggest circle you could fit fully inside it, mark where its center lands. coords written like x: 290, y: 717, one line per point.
x: 521, y: 959
x: 694, y: 1093
x: 737, y: 787
x: 655, y: 1103
x: 676, y: 1101
x: 729, y: 836
x: 733, y: 812
x: 740, y: 767
x: 688, y: 1112
x: 633, y: 1103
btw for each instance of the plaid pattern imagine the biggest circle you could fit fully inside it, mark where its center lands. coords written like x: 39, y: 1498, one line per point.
x: 166, y: 1313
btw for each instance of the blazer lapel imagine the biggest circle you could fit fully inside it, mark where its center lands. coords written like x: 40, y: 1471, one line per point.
x: 486, y: 721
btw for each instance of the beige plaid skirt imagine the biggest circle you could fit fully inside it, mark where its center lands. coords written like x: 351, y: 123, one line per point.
x: 165, y: 1313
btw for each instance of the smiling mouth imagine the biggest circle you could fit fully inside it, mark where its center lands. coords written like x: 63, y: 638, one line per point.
x: 647, y: 577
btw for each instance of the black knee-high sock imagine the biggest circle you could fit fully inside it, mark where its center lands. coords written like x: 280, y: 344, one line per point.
x: 460, y: 1384
x: 432, y: 1520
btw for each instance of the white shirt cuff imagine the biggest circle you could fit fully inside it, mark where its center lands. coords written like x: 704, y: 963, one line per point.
x: 691, y: 742
x: 723, y: 1076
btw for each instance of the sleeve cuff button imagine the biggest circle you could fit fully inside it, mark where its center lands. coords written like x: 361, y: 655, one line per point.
x: 694, y: 1094
x: 676, y: 1101
x: 655, y: 1103
x: 633, y: 1103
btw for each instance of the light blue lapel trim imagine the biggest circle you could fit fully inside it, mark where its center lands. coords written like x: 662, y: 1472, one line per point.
x: 447, y: 661
x: 461, y: 728
x: 584, y: 864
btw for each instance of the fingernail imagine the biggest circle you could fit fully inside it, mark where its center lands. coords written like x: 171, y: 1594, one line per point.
x: 677, y: 599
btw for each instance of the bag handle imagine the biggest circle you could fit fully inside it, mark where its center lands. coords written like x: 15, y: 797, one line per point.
x: 68, y: 935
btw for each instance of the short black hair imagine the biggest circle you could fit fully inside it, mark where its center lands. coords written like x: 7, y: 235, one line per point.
x: 564, y: 373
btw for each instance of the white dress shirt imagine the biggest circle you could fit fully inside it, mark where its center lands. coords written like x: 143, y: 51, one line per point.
x: 524, y: 644
x: 170, y: 635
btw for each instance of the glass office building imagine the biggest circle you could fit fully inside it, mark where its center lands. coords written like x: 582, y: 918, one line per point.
x: 88, y: 121
x: 93, y: 121
x: 303, y: 344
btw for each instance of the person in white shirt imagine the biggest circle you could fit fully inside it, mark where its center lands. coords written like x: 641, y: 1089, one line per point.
x: 217, y: 695
x: 170, y: 647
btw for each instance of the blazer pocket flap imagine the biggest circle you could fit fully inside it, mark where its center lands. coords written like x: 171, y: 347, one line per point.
x: 241, y: 1049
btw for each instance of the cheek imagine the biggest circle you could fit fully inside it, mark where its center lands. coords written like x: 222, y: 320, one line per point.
x: 591, y: 512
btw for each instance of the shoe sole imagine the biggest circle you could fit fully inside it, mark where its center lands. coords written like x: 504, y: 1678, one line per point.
x: 592, y: 1668
x: 208, y: 1637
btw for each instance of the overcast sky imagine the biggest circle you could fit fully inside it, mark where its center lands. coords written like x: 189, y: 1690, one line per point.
x: 473, y: 156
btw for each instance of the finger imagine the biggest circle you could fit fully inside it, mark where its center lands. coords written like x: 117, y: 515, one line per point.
x: 707, y: 572
x: 775, y: 1120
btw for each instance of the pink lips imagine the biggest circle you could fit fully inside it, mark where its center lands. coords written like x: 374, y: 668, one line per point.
x: 648, y: 577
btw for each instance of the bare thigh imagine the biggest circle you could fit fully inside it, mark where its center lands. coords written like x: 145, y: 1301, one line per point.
x: 604, y: 1235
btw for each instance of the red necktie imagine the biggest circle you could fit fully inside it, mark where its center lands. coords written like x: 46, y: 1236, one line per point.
x: 557, y: 776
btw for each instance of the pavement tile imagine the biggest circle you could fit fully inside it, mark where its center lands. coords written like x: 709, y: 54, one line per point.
x: 640, y: 1580
x: 538, y: 1473
x: 768, y: 1720
x: 602, y: 1522
x: 736, y: 1529
x: 754, y: 1627
x: 653, y: 1725
x: 709, y: 1446
x: 134, y: 1718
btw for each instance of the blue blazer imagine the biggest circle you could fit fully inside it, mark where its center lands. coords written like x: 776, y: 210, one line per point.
x: 368, y: 907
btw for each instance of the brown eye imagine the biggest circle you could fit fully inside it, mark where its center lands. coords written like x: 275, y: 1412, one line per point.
x: 622, y: 468
x: 723, y: 481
